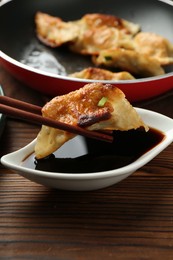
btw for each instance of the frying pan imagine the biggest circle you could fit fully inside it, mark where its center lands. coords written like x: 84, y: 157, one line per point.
x: 45, y: 69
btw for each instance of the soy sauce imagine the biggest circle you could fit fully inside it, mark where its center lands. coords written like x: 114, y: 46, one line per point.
x: 101, y: 156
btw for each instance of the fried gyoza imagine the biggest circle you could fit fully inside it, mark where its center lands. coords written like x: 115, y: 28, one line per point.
x: 98, y: 20
x: 101, y: 74
x: 100, y: 31
x: 81, y: 107
x: 129, y: 60
x: 89, y: 35
x: 94, y: 40
x: 155, y: 46
x: 54, y: 32
x: 150, y: 51
x: 140, y: 53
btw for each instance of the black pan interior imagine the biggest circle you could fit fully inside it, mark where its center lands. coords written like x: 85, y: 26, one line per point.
x: 18, y: 39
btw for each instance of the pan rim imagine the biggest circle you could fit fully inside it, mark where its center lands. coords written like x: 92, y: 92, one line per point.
x: 57, y: 76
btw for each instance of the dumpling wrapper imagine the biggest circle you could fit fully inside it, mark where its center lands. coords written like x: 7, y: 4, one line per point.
x: 53, y: 31
x: 101, y: 74
x: 154, y: 46
x: 132, y: 61
x: 81, y: 107
x: 88, y: 35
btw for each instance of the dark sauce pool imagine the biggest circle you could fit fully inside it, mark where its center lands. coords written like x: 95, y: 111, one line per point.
x: 101, y: 156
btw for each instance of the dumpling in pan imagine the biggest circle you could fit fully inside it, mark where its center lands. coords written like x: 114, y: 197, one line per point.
x: 99, y: 19
x: 132, y: 61
x: 155, y: 46
x: 103, y: 31
x: 96, y: 106
x: 88, y: 35
x: 101, y: 74
x: 53, y: 31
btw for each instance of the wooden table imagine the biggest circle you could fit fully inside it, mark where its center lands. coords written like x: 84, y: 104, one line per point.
x: 130, y: 220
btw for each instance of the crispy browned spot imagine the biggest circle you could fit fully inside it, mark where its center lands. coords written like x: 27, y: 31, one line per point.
x: 85, y: 120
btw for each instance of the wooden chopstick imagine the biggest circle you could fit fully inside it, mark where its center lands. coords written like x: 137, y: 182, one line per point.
x: 20, y: 104
x: 32, y: 113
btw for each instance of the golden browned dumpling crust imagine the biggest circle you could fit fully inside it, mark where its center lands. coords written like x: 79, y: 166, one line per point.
x: 155, y: 46
x: 99, y: 20
x: 101, y: 74
x: 53, y: 32
x: 100, y: 31
x: 129, y: 60
x: 93, y: 32
x: 82, y: 107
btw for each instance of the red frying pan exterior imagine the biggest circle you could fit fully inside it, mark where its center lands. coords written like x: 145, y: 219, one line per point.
x: 18, y: 32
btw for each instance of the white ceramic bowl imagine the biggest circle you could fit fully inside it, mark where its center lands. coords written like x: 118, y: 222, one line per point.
x: 95, y: 180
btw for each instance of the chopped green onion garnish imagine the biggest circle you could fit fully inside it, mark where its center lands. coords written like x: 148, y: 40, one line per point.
x: 102, y: 101
x: 107, y: 58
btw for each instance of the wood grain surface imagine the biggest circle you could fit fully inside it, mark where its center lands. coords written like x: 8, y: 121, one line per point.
x: 131, y: 220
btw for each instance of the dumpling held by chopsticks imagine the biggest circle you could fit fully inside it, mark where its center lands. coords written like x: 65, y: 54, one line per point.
x: 96, y: 106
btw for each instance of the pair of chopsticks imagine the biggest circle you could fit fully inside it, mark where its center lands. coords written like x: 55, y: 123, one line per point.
x: 32, y: 113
